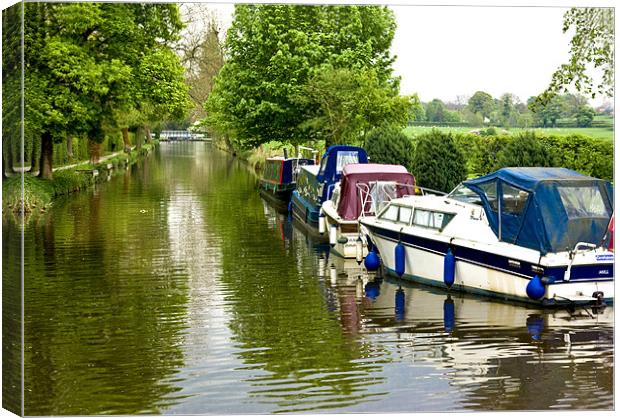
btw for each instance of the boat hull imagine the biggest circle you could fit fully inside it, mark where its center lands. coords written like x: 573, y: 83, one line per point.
x: 304, y: 210
x: 425, y: 265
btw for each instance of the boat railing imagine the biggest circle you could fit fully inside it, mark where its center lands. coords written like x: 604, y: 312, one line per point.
x: 369, y: 206
x: 426, y: 191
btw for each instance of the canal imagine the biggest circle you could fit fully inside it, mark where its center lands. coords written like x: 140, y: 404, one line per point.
x: 175, y: 289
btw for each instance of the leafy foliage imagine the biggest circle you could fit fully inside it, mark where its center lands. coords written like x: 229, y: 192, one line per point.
x: 91, y: 65
x: 481, y: 103
x: 350, y: 102
x: 437, y: 162
x: 277, y: 54
x: 592, y: 45
x: 389, y: 145
x: 524, y: 151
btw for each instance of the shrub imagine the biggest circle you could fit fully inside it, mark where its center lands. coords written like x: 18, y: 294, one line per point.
x: 437, y: 162
x: 525, y: 150
x: 389, y: 145
x: 587, y: 155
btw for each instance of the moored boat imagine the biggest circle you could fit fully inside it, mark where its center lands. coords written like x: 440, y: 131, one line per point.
x: 279, y: 178
x: 532, y: 234
x: 363, y: 190
x: 315, y: 183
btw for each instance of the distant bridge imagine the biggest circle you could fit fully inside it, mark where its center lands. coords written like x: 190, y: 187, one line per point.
x: 181, y: 136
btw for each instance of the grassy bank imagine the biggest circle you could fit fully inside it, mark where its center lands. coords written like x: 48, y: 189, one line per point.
x: 599, y: 133
x: 39, y: 193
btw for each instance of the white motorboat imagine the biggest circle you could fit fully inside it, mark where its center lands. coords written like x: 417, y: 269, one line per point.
x: 546, y: 240
x: 363, y: 190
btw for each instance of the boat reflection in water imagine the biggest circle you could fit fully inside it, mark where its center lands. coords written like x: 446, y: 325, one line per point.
x: 485, y: 348
x: 453, y: 351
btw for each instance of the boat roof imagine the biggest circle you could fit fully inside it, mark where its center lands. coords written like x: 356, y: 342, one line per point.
x: 373, y: 169
x: 529, y: 177
x: 545, y: 209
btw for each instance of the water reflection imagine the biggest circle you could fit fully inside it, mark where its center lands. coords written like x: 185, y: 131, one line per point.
x: 174, y: 288
x: 492, y: 355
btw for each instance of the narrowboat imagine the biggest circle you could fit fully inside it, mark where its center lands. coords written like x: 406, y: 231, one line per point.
x: 279, y: 178
x: 363, y: 190
x: 538, y: 235
x: 315, y: 183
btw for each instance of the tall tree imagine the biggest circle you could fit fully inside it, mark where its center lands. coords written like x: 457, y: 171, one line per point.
x: 349, y: 103
x: 435, y: 111
x: 592, y: 48
x: 481, y: 103
x: 274, y: 50
x: 89, y: 61
x: 201, y: 51
x: 11, y: 85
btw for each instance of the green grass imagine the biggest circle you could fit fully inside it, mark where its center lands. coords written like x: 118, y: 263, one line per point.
x: 39, y: 193
x: 601, y: 133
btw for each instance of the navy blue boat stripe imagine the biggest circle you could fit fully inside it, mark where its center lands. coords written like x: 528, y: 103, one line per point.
x: 581, y: 273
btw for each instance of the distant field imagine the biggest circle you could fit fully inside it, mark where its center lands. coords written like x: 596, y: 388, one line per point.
x: 603, y: 133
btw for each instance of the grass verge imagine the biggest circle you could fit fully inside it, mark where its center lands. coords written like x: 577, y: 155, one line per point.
x: 39, y: 193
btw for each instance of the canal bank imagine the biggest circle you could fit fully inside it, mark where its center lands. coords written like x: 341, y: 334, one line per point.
x: 175, y: 289
x: 39, y: 193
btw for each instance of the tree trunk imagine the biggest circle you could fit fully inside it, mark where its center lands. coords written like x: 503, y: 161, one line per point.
x: 33, y: 157
x: 125, y: 132
x: 147, y: 131
x: 139, y: 137
x: 47, y: 154
x: 69, y: 147
x: 9, y: 158
x: 94, y: 149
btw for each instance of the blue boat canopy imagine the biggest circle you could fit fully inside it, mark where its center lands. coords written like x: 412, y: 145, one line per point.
x: 335, y: 158
x: 545, y: 209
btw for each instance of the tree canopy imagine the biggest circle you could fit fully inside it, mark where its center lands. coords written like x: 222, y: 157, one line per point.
x: 592, y: 51
x: 279, y: 55
x: 89, y: 65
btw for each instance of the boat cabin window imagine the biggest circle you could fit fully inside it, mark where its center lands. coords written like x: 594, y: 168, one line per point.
x: 431, y: 219
x: 397, y: 213
x: 404, y: 215
x: 344, y: 158
x: 381, y: 192
x: 490, y: 190
x: 583, y: 202
x: 466, y: 195
x: 513, y: 200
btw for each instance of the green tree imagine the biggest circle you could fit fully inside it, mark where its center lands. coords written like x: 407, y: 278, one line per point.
x: 11, y: 85
x: 350, y: 102
x: 437, y: 162
x: 525, y: 151
x: 547, y: 115
x: 592, y: 47
x: 272, y: 53
x: 585, y: 116
x: 389, y: 145
x: 416, y: 109
x: 89, y: 62
x: 435, y: 110
x: 481, y: 103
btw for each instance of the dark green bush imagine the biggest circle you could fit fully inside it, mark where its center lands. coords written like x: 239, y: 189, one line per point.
x: 437, y: 162
x: 389, y: 145
x: 587, y: 155
x: 525, y: 150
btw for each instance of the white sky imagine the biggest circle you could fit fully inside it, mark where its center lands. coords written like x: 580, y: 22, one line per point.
x: 445, y: 51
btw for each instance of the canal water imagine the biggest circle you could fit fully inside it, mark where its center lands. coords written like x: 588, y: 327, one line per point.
x: 175, y: 289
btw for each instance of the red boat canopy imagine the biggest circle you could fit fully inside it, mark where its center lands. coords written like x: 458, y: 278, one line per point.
x: 373, y: 184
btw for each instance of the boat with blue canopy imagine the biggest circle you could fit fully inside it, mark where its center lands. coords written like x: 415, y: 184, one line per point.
x: 532, y: 234
x: 315, y: 183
